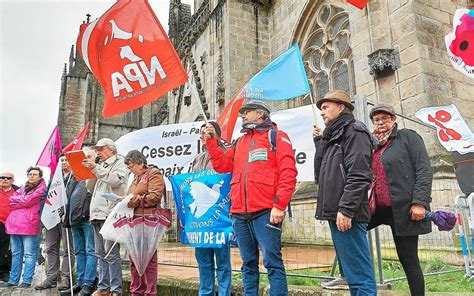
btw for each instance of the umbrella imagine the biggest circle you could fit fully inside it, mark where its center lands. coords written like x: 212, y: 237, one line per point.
x: 444, y: 220
x: 141, y: 237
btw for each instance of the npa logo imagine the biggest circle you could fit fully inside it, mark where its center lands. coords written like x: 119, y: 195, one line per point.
x: 136, y: 70
x: 131, y: 56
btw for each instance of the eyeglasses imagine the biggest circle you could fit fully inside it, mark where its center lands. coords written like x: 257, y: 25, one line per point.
x: 383, y: 119
x: 32, y: 174
x: 6, y: 178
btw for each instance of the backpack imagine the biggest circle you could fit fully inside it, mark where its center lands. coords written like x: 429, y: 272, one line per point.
x: 272, y: 133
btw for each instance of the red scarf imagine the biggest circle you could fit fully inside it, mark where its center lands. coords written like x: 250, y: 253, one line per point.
x: 383, y: 197
x: 382, y: 137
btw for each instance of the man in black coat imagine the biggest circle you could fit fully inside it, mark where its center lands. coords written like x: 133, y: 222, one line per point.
x: 343, y: 172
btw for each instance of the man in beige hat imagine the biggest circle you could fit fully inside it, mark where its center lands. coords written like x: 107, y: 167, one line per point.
x: 112, y: 176
x: 342, y: 167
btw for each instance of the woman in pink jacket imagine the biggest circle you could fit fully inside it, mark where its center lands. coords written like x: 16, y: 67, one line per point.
x: 23, y: 226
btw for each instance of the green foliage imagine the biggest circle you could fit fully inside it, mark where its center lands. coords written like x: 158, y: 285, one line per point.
x: 435, y: 265
x: 448, y: 282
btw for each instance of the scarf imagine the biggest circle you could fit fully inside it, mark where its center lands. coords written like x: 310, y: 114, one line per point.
x: 265, y: 125
x: 30, y: 186
x: 344, y: 118
x: 382, y: 137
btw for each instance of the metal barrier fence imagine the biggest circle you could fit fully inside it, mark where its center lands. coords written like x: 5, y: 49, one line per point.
x: 307, y: 244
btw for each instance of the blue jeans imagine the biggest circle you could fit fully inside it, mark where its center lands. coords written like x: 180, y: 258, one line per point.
x: 353, y: 254
x: 27, y: 246
x: 86, y: 261
x: 250, y: 234
x: 110, y: 268
x: 207, y: 268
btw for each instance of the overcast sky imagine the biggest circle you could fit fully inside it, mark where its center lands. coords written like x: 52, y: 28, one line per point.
x: 35, y: 40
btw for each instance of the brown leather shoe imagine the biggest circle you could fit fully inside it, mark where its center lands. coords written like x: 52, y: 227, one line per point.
x: 101, y: 293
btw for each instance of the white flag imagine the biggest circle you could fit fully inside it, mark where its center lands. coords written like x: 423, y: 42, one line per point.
x: 453, y: 132
x: 56, y: 199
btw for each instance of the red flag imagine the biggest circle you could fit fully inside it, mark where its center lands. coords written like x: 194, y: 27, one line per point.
x: 131, y: 56
x: 229, y: 116
x: 51, y: 152
x: 358, y: 3
x: 76, y: 144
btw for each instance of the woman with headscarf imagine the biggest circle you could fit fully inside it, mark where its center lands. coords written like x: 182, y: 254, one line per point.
x: 401, y: 188
x: 147, y: 189
x: 23, y: 225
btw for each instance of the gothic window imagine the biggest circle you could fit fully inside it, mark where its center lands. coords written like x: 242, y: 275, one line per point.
x: 326, y: 51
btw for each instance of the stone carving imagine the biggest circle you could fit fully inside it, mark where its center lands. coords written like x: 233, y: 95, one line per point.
x: 383, y: 62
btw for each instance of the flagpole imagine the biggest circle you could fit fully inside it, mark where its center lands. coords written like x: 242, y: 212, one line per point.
x: 193, y: 89
x: 67, y: 242
x: 313, y: 106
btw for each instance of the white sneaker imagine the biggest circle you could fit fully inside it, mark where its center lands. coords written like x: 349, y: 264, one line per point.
x: 338, y: 283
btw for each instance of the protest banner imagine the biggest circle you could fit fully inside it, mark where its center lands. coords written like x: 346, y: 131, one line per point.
x: 203, y: 205
x: 452, y: 131
x: 173, y: 147
x: 170, y: 147
x: 55, y: 199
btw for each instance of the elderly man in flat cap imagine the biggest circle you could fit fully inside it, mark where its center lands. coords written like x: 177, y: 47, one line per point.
x: 263, y: 181
x: 342, y: 168
x: 112, y: 176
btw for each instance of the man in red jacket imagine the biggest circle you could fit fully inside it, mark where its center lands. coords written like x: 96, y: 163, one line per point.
x: 263, y: 181
x: 7, y: 189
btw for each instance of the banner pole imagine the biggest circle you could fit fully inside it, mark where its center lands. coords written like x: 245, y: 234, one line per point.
x: 68, y: 241
x: 193, y: 89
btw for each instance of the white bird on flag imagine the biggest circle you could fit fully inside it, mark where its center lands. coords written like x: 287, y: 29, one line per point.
x: 204, y: 197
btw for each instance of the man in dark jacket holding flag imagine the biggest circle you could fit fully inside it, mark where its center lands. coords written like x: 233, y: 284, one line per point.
x: 263, y: 181
x: 343, y: 172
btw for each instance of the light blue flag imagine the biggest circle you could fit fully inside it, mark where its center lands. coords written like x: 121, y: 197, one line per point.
x: 203, y: 205
x: 284, y: 78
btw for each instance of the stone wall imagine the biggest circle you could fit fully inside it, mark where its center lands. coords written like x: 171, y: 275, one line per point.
x: 416, y: 30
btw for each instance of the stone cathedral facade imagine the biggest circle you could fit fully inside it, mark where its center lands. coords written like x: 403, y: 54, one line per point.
x: 392, y: 51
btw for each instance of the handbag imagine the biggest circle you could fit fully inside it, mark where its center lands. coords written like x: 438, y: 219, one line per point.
x: 162, y: 213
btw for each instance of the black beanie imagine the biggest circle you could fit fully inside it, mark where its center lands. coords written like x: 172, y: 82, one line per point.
x: 216, y: 127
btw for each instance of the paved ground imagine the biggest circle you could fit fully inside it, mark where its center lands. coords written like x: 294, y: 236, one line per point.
x: 294, y: 258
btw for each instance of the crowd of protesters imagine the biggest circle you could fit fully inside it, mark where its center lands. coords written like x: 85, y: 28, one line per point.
x: 365, y: 179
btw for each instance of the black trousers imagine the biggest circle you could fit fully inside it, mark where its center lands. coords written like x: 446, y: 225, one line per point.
x: 407, y: 250
x: 5, y: 253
